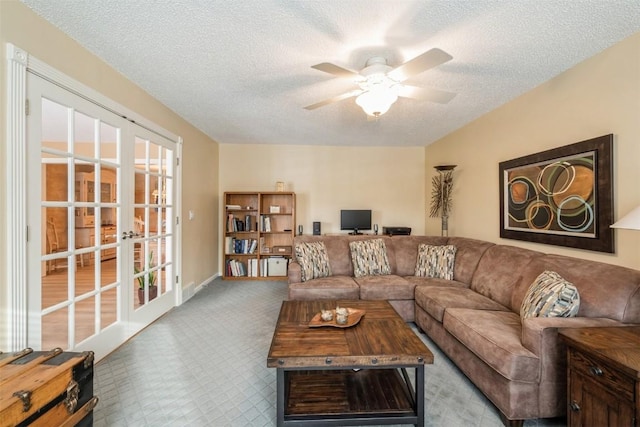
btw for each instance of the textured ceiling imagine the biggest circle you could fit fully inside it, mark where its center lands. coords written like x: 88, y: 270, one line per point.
x: 240, y: 70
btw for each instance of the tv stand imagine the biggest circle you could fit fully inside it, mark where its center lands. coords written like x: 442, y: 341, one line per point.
x: 355, y: 233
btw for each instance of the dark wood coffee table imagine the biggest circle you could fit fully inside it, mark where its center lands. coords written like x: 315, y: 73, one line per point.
x: 347, y: 376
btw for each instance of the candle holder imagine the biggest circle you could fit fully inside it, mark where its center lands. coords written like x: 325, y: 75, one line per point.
x: 326, y: 315
x: 341, y: 319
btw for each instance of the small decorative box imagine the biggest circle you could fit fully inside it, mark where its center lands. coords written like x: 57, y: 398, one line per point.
x: 282, y: 250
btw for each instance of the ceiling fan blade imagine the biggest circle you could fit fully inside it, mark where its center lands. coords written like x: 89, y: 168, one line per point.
x: 424, y: 94
x: 334, y: 99
x: 429, y: 59
x: 335, y: 70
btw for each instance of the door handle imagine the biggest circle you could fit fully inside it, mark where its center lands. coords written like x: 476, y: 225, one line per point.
x: 129, y: 234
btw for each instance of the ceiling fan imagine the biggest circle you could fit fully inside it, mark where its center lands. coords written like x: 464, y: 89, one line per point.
x: 380, y: 85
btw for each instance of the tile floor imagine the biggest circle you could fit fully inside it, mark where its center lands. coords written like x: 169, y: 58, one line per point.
x: 204, y: 364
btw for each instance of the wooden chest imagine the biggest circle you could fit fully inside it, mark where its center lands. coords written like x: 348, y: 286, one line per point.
x: 46, y: 388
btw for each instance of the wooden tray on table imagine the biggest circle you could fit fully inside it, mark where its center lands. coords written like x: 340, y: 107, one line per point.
x: 354, y: 316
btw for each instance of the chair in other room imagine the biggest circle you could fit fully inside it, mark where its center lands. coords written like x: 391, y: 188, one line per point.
x: 54, y: 246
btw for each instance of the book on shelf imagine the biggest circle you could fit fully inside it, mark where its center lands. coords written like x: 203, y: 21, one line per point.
x: 229, y: 244
x: 265, y: 223
x: 252, y: 267
x: 238, y: 224
x: 230, y: 223
x: 234, y: 245
x: 236, y: 207
x: 235, y: 268
x: 263, y: 267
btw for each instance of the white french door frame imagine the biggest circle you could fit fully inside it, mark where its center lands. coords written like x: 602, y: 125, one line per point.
x: 104, y: 337
x: 19, y: 62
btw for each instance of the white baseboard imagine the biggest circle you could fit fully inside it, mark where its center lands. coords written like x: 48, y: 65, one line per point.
x: 206, y: 282
x: 191, y: 289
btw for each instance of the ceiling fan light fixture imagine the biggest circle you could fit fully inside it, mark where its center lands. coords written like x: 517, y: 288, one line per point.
x: 377, y: 100
x: 380, y: 85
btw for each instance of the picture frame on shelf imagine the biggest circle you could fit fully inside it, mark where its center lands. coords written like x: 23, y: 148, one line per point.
x: 562, y: 196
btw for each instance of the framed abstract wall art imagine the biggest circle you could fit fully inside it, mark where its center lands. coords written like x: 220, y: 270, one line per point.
x: 562, y: 196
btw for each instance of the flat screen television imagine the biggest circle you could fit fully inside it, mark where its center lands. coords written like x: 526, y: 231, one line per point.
x: 355, y: 220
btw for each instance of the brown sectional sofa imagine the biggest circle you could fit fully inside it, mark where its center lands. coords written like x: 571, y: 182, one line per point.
x: 474, y: 318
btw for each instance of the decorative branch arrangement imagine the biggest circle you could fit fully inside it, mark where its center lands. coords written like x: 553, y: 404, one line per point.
x: 441, y: 194
x: 441, y: 199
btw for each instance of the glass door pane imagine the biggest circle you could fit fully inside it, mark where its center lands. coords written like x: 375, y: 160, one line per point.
x: 79, y: 283
x: 152, y: 219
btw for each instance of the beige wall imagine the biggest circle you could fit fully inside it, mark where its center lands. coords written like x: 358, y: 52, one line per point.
x: 597, y: 97
x: 23, y: 28
x: 389, y: 181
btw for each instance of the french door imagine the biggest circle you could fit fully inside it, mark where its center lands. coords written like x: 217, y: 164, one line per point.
x: 150, y: 240
x: 101, y: 223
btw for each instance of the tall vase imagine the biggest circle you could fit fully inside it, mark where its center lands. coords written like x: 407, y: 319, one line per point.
x: 445, y: 225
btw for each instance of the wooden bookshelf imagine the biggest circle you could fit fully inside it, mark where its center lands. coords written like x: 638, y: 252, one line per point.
x: 258, y: 234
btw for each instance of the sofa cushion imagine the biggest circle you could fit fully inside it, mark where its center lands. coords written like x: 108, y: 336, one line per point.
x: 434, y: 281
x: 468, y: 255
x: 550, y: 296
x: 436, y: 299
x: 606, y: 290
x: 337, y: 250
x: 332, y: 287
x: 436, y: 261
x: 500, y: 271
x: 313, y: 260
x: 495, y: 337
x: 406, y: 251
x: 389, y: 287
x: 369, y: 257
x: 405, y: 308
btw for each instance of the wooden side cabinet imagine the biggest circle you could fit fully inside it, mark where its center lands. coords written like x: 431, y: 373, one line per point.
x: 603, y: 376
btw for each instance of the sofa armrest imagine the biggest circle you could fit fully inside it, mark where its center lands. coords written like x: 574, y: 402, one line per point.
x: 540, y: 333
x: 294, y: 272
x: 540, y: 336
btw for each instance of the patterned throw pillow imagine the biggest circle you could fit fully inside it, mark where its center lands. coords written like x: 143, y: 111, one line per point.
x: 369, y: 258
x: 436, y: 261
x: 550, y: 296
x: 313, y: 260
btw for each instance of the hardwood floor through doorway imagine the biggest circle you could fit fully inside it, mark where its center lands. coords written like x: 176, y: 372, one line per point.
x: 55, y: 290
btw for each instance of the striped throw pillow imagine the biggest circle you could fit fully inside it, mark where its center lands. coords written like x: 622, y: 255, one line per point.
x: 313, y: 260
x: 436, y: 261
x: 550, y: 296
x: 369, y: 258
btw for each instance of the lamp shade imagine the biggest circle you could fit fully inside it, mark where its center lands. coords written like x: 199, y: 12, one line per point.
x: 630, y: 221
x: 377, y: 100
